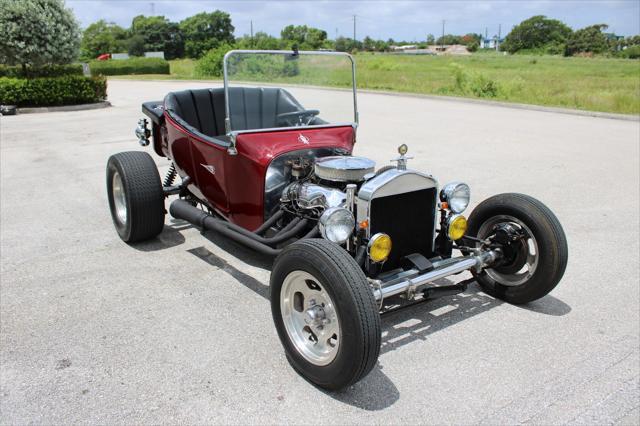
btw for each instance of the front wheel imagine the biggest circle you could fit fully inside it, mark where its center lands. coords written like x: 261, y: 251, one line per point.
x: 532, y: 243
x: 136, y: 198
x: 325, y: 313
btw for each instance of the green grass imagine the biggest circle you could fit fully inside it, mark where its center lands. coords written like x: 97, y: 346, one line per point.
x: 595, y: 84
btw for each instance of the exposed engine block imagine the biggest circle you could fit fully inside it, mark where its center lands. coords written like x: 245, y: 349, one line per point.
x: 308, y: 196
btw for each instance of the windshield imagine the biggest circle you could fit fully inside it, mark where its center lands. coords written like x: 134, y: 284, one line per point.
x: 281, y: 89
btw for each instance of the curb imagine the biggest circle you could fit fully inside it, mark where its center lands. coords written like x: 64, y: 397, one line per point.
x: 81, y: 107
x: 530, y: 107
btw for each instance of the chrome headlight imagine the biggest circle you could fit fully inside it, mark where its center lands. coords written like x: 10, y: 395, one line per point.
x: 457, y: 195
x: 336, y: 224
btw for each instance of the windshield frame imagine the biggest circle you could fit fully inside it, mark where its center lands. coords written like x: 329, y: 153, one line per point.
x: 227, y: 119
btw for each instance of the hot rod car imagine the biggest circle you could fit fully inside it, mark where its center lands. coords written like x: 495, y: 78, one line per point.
x: 350, y: 242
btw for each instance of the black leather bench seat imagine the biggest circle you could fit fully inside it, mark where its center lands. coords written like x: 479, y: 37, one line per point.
x: 203, y: 110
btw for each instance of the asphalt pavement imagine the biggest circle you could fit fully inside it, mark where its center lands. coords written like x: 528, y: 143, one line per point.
x: 179, y: 330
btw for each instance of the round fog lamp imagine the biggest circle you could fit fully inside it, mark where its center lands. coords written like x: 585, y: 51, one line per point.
x: 456, y: 227
x: 379, y: 247
x: 336, y: 224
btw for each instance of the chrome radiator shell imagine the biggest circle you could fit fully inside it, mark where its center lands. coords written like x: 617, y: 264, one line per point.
x: 392, y: 182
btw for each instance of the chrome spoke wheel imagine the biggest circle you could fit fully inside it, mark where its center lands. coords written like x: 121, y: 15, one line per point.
x: 310, y: 318
x: 526, y: 254
x: 119, y: 198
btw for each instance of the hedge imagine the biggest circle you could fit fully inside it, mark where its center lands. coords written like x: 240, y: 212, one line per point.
x: 51, y: 91
x: 129, y: 66
x: 44, y: 71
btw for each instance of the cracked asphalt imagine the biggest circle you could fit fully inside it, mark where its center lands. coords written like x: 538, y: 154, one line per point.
x: 179, y: 330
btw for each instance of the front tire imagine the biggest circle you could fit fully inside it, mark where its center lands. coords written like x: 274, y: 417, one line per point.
x: 535, y: 261
x: 325, y: 313
x: 136, y: 198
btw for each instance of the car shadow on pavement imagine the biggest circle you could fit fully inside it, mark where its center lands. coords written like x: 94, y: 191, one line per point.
x: 548, y: 305
x: 169, y: 237
x: 408, y: 325
x: 417, y: 322
x: 245, y: 279
x: 373, y: 393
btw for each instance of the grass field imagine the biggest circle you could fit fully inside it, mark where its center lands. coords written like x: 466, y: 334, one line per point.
x: 595, y: 84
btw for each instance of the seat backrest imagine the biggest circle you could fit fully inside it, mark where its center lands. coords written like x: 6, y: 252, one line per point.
x: 258, y: 107
x: 203, y: 110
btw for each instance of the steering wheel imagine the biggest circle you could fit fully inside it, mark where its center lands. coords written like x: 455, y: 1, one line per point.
x: 298, y: 118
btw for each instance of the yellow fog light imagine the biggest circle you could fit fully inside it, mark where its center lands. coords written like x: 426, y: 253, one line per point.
x: 379, y: 247
x: 456, y: 227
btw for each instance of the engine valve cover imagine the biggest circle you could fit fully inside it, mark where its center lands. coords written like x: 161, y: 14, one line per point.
x: 343, y: 168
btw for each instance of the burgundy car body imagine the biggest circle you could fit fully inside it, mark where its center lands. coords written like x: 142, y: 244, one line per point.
x: 234, y: 184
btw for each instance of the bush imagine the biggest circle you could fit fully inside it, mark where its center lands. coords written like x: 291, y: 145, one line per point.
x: 129, y: 66
x: 44, y: 71
x: 475, y: 84
x: 631, y: 52
x: 51, y: 91
x: 210, y: 65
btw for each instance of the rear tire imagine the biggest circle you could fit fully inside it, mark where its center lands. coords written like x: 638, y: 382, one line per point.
x: 338, y: 343
x: 513, y: 282
x: 136, y: 198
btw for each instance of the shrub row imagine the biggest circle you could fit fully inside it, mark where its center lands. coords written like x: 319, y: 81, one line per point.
x: 129, y: 66
x: 44, y: 71
x: 51, y: 91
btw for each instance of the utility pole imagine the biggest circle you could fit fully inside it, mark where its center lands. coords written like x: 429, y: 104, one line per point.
x: 499, y: 34
x: 442, y: 39
x: 153, y: 9
x: 252, y: 33
x: 354, y: 28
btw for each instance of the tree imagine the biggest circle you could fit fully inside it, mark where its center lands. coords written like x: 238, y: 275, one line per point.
x: 344, y: 44
x: 430, y: 39
x: 589, y: 39
x: 206, y: 31
x: 304, y: 37
x: 537, y: 32
x: 368, y: 44
x: 294, y: 34
x: 159, y: 34
x: 449, y: 39
x: 260, y: 41
x: 37, y: 32
x: 470, y: 38
x: 136, y: 45
x: 103, y: 37
x: 315, y: 38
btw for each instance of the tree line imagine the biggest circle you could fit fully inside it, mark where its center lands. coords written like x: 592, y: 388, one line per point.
x: 194, y: 36
x: 540, y: 34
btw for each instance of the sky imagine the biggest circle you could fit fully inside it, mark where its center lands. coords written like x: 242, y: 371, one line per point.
x: 400, y: 20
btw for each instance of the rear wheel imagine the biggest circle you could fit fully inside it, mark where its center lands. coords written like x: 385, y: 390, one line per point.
x: 325, y: 313
x: 136, y: 198
x: 533, y: 245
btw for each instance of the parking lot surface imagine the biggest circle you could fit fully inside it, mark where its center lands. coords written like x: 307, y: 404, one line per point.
x: 179, y: 329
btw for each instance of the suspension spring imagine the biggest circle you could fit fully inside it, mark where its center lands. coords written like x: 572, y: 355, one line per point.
x: 171, y: 176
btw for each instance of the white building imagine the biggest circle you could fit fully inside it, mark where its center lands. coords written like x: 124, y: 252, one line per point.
x: 491, y: 43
